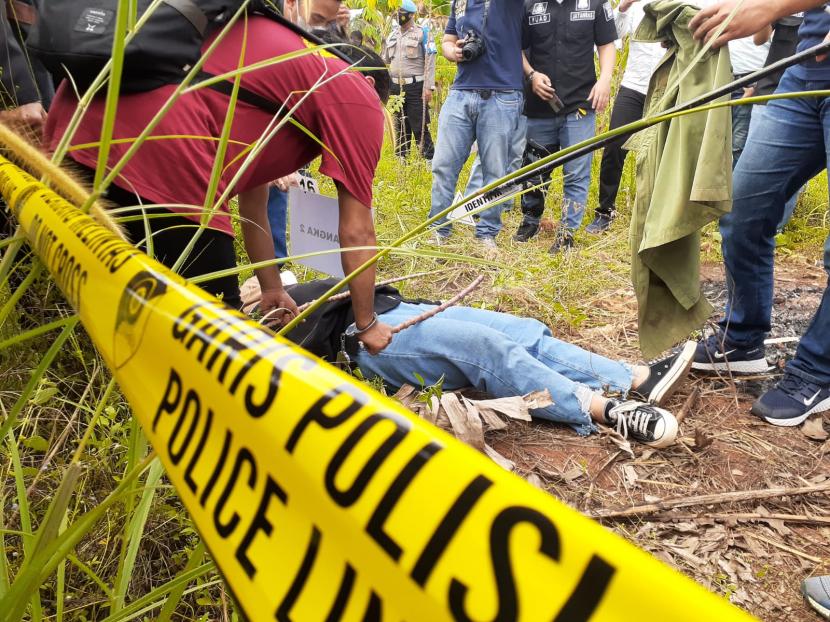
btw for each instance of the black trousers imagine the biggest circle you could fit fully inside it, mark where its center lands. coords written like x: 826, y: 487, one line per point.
x: 413, y: 120
x: 213, y: 251
x: 628, y: 107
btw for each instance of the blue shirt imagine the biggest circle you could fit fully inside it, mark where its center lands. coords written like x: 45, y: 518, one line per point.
x: 500, y: 67
x: 813, y: 30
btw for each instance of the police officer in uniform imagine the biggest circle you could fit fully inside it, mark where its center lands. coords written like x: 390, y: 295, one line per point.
x: 563, y: 97
x: 410, y: 53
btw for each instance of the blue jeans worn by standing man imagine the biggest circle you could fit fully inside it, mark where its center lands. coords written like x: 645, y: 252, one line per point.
x: 517, y: 149
x: 556, y: 133
x: 788, y: 145
x: 277, y: 218
x: 498, y: 353
x: 489, y: 117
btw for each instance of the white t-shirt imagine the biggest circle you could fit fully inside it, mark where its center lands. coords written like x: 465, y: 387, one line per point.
x: 642, y: 57
x: 747, y: 57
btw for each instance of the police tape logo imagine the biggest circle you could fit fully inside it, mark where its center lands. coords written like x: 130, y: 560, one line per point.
x: 131, y: 319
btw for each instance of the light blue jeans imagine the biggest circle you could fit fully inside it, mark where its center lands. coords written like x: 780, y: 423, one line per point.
x: 465, y: 118
x: 500, y: 354
x: 556, y: 133
x: 517, y: 149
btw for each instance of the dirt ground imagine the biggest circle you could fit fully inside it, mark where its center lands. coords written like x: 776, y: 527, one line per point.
x: 744, y: 549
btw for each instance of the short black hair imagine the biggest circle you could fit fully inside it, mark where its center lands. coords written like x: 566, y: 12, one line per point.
x: 357, y: 36
x: 366, y: 62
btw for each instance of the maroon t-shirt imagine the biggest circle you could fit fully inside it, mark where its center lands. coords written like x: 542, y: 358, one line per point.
x: 174, y: 166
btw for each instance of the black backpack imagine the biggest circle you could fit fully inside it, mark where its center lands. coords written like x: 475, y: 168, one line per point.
x: 74, y: 37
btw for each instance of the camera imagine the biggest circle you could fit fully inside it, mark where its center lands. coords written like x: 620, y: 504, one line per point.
x: 473, y: 46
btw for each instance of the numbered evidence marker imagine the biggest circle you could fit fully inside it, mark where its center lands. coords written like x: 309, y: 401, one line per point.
x: 315, y: 222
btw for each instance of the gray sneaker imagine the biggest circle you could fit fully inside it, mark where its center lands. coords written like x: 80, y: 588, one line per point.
x: 816, y: 591
x: 601, y: 223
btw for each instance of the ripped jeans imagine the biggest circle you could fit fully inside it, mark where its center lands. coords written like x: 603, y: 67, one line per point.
x: 497, y: 353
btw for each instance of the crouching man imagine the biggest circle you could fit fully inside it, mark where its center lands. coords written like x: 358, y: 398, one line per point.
x: 502, y: 355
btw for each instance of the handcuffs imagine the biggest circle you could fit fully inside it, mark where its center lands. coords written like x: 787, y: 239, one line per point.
x: 350, y: 343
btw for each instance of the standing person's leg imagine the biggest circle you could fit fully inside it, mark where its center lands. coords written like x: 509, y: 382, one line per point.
x: 628, y: 107
x: 758, y: 111
x: 456, y: 134
x: 418, y: 115
x: 541, y: 132
x: 413, y: 107
x: 497, y: 122
x: 277, y: 218
x: 577, y: 176
x: 399, y: 122
x: 476, y: 181
x: 741, y: 116
x: 785, y: 149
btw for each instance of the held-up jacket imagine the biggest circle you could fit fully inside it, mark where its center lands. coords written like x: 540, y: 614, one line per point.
x: 684, y: 179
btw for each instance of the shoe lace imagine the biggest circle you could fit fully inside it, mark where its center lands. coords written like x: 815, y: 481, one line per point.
x: 797, y: 387
x: 632, y: 419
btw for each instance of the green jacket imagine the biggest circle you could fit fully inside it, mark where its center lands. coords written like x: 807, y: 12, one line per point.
x: 684, y: 180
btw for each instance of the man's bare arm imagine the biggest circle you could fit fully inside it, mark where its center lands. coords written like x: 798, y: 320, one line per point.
x: 751, y: 16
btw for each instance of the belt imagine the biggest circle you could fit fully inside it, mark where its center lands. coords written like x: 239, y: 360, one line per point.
x: 411, y: 80
x: 21, y: 12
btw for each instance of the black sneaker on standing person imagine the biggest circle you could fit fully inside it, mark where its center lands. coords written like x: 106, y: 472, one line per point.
x: 601, y: 223
x: 642, y: 422
x: 526, y: 231
x: 791, y: 401
x: 715, y: 354
x: 564, y: 241
x: 666, y: 376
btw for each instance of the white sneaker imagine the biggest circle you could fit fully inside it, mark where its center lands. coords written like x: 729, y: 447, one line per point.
x: 488, y: 242
x: 643, y: 422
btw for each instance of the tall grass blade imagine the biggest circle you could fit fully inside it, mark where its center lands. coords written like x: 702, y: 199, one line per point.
x: 37, y: 569
x: 177, y: 592
x: 132, y: 537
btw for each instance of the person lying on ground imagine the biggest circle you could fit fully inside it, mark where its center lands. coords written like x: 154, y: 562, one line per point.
x: 502, y: 355
x: 174, y: 170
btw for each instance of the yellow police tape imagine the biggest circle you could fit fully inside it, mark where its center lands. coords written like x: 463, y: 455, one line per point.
x: 318, y: 498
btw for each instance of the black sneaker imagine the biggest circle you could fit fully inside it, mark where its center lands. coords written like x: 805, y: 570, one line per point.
x: 713, y: 354
x: 816, y: 591
x: 791, y: 401
x: 643, y: 422
x: 564, y: 241
x: 601, y: 223
x: 526, y: 231
x: 666, y: 375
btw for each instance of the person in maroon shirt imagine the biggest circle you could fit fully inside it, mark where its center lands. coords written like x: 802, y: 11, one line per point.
x: 341, y: 119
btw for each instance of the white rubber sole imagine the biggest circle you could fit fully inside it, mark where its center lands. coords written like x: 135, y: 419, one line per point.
x: 675, y: 376
x: 824, y: 612
x: 789, y: 423
x: 758, y: 366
